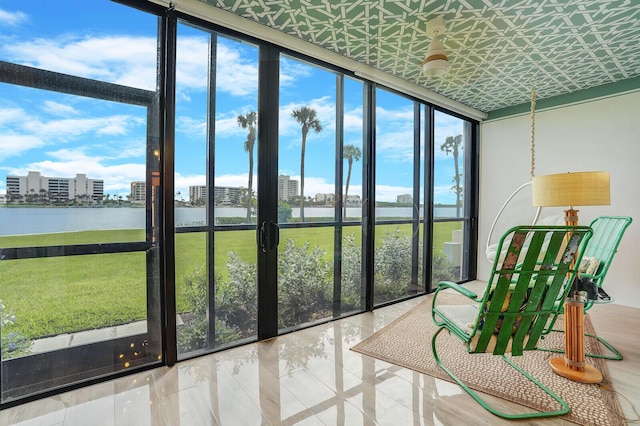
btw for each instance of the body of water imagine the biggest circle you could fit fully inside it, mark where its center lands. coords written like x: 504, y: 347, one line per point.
x: 33, y: 220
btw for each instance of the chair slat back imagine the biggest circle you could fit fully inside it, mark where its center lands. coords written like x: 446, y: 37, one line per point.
x: 525, y: 283
x: 607, y: 234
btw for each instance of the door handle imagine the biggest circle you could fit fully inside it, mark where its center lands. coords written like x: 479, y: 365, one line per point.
x: 262, y: 237
x: 275, y: 237
x: 268, y: 236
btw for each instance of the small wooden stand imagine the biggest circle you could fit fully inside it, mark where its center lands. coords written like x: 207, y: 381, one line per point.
x: 573, y: 365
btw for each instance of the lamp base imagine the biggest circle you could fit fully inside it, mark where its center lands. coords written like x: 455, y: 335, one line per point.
x: 589, y: 375
x: 573, y: 365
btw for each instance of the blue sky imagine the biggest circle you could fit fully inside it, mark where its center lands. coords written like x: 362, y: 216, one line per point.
x: 61, y: 135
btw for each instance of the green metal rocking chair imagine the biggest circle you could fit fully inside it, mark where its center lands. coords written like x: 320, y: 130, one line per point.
x: 519, y: 304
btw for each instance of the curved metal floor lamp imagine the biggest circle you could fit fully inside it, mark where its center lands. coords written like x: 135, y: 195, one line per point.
x: 489, y: 247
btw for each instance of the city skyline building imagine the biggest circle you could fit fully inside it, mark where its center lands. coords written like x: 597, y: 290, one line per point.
x: 287, y: 188
x: 404, y: 199
x: 138, y: 192
x: 55, y: 188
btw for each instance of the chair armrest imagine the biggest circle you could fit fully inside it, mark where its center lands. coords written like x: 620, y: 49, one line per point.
x: 457, y: 287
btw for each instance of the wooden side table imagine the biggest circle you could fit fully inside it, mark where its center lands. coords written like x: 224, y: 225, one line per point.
x: 573, y: 365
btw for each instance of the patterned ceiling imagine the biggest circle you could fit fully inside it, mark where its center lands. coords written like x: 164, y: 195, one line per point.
x: 497, y: 50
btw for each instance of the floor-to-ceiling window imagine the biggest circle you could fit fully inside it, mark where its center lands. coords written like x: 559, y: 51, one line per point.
x: 181, y: 188
x: 396, y: 146
x: 414, y: 144
x: 215, y: 184
x: 453, y: 197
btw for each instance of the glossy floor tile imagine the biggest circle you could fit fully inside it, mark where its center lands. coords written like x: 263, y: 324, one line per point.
x: 309, y: 377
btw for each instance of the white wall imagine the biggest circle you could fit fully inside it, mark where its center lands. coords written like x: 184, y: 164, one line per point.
x: 601, y: 135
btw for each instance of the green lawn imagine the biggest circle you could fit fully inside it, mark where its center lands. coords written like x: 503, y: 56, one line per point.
x: 57, y: 295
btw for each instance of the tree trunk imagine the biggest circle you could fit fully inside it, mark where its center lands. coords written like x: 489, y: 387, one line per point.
x: 250, y: 187
x: 304, y: 143
x: 346, y: 191
x: 457, y: 177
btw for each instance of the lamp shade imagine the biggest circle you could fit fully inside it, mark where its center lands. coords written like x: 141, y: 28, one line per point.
x: 572, y: 189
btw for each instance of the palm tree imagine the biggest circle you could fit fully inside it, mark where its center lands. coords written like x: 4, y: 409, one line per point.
x: 452, y: 145
x: 307, y: 118
x: 248, y: 121
x: 350, y: 153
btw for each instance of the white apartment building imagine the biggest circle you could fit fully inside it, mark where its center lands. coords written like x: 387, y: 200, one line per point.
x: 138, y: 192
x: 353, y: 201
x: 287, y: 188
x: 225, y: 195
x: 404, y: 199
x: 197, y: 192
x: 325, y: 198
x: 55, y: 187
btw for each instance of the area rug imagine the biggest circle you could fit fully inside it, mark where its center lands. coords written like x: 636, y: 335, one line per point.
x: 407, y: 342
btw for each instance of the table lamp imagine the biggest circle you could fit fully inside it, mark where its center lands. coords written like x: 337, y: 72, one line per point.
x: 571, y: 190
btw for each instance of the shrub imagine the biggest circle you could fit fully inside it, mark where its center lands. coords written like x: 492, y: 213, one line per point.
x: 237, y: 298
x: 193, y: 335
x: 284, y: 212
x: 393, y: 266
x: 305, y: 287
x: 304, y: 281
x: 442, y: 269
x: 351, y: 273
x: 13, y: 344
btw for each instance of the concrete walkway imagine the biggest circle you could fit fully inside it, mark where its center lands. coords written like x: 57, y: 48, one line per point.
x: 89, y: 336
x: 62, y: 341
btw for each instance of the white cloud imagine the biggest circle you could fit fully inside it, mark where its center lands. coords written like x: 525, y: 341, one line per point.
x: 59, y: 109
x: 127, y: 60
x: 12, y: 141
x: 133, y: 148
x: 394, y: 138
x: 68, y: 163
x: 292, y: 70
x: 353, y: 120
x: 11, y: 115
x: 191, y: 126
x: 192, y: 56
x: 182, y: 183
x: 12, y: 19
x: 12, y: 145
x: 227, y: 125
x: 316, y: 185
x: 390, y: 193
x: 396, y: 145
x: 236, y: 74
x: 325, y: 109
x: 402, y: 116
x: 71, y: 128
x: 234, y: 180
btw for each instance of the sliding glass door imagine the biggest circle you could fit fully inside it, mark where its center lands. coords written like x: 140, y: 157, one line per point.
x: 257, y: 170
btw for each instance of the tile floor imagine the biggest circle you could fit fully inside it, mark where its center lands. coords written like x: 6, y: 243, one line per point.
x: 307, y: 377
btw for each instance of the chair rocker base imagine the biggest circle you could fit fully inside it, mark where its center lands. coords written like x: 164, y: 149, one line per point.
x: 617, y: 356
x: 538, y: 414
